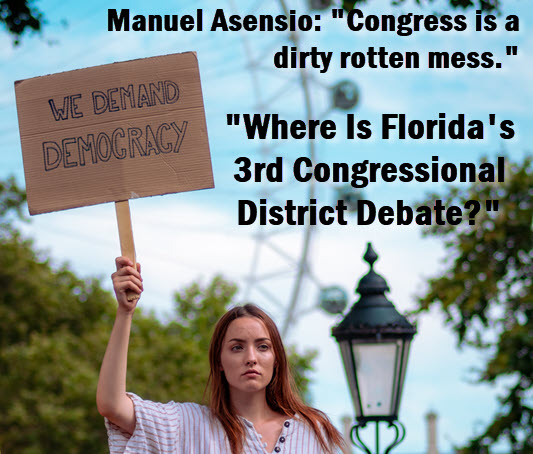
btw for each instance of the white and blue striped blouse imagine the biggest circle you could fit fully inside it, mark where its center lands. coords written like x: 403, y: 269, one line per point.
x: 189, y: 428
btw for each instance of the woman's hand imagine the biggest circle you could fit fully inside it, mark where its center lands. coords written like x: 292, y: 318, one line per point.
x: 127, y: 278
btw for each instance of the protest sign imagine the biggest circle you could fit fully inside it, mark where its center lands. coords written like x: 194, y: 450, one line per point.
x: 112, y: 133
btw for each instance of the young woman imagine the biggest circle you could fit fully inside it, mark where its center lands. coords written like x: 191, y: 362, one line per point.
x: 253, y: 406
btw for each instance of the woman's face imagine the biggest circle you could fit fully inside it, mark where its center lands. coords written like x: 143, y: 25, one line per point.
x: 247, y: 356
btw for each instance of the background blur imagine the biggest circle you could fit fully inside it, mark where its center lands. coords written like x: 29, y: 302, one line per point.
x: 189, y: 237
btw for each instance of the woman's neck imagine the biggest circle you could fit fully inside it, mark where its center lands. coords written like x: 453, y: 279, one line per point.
x: 252, y: 406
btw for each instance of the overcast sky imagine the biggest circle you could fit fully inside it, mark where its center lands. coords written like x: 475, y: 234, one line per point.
x: 182, y: 237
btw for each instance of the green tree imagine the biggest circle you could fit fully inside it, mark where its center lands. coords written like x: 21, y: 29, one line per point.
x: 54, y: 328
x: 486, y: 294
x: 19, y: 17
x: 52, y: 337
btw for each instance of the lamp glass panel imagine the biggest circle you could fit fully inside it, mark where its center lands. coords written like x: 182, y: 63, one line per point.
x: 375, y: 370
x: 402, y: 367
x: 349, y: 366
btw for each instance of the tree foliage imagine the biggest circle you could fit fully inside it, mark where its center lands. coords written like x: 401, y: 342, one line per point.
x: 486, y: 294
x: 54, y: 328
x: 19, y: 17
x: 52, y: 337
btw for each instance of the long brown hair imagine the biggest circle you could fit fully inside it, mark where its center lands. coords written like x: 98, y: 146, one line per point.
x: 281, y: 396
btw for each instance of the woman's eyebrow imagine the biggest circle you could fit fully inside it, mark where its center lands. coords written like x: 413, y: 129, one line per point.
x: 260, y: 339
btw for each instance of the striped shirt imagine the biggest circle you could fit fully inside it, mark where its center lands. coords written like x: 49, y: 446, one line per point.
x: 189, y: 428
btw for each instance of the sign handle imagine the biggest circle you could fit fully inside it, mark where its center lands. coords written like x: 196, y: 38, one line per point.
x: 125, y: 233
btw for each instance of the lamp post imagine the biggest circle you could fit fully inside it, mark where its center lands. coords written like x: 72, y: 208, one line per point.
x: 374, y: 341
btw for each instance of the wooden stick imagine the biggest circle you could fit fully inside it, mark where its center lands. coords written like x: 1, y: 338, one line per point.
x: 125, y: 233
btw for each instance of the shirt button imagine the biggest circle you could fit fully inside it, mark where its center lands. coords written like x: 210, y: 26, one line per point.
x: 277, y: 449
x: 282, y: 440
x: 287, y: 424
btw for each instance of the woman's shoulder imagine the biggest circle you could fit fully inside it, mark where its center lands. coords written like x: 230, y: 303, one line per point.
x: 186, y: 408
x: 171, y: 425
x: 193, y: 408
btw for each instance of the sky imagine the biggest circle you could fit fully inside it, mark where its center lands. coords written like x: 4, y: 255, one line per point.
x: 191, y: 236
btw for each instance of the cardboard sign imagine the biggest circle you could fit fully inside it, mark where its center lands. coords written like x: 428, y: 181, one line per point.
x: 113, y: 132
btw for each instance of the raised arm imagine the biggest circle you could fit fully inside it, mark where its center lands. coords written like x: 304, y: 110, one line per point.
x: 111, y: 398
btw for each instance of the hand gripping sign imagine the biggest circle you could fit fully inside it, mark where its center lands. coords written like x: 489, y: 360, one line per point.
x: 114, y: 132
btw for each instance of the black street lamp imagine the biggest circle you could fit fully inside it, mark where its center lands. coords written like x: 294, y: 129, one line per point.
x: 374, y: 341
